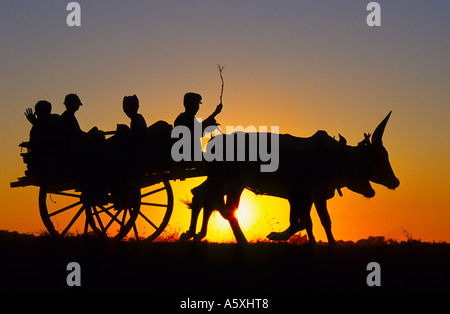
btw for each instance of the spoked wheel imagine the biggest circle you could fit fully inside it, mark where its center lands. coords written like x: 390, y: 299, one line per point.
x: 144, y: 216
x: 154, y: 214
x: 115, y: 217
x: 68, y: 213
x: 62, y: 213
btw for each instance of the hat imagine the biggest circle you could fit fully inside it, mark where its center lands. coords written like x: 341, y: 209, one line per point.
x: 192, y: 98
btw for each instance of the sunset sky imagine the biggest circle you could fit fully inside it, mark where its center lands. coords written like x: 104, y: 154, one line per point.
x: 300, y: 65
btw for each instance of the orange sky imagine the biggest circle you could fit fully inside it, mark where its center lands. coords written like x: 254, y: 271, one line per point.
x: 298, y: 65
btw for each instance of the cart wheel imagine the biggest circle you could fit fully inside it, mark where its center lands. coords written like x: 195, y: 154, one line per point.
x: 65, y: 213
x: 154, y: 214
x: 146, y: 218
x: 114, y: 219
x: 62, y: 213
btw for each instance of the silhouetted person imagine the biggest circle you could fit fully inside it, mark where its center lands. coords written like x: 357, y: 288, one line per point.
x: 44, y: 134
x: 83, y: 153
x: 71, y: 131
x: 44, y: 122
x: 187, y: 118
x: 70, y: 128
x: 138, y: 126
x: 129, y: 141
x: 128, y: 146
x: 191, y: 104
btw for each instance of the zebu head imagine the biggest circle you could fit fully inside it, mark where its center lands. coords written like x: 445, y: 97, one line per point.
x: 369, y: 161
x: 380, y: 170
x: 355, y: 175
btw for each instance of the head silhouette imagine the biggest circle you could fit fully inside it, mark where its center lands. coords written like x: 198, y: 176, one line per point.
x: 381, y: 170
x: 130, y: 105
x: 72, y: 102
x: 356, y: 177
x: 192, y: 102
x: 43, y: 109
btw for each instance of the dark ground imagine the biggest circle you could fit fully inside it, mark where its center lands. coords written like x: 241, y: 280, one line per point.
x: 37, y: 264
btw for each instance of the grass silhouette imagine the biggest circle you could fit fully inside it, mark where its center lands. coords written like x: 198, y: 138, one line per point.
x: 37, y: 263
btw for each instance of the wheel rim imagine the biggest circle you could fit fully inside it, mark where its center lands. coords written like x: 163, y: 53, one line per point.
x: 154, y: 214
x: 110, y: 220
x: 62, y: 213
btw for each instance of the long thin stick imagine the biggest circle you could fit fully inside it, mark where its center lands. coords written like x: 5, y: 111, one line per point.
x: 221, y: 77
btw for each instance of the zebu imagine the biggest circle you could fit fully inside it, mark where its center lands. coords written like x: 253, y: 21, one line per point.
x: 310, y: 170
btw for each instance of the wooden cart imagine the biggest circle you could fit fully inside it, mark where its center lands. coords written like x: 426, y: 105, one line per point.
x: 65, y: 210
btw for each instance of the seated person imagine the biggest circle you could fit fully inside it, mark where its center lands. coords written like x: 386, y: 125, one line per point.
x: 44, y: 122
x: 187, y: 118
x: 138, y: 126
x: 191, y: 104
x: 71, y: 131
x: 44, y: 134
x: 128, y: 146
x: 83, y: 153
x: 129, y: 142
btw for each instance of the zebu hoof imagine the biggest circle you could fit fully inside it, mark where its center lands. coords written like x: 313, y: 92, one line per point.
x: 278, y: 236
x: 332, y: 243
x: 199, y: 237
x: 185, y: 236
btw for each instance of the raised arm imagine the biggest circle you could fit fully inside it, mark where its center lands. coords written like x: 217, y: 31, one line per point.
x: 30, y: 115
x: 211, y: 119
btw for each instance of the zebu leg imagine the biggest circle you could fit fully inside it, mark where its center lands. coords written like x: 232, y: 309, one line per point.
x: 207, y: 211
x: 196, y: 205
x: 229, y: 213
x: 237, y: 231
x: 294, y: 227
x: 306, y: 220
x: 213, y: 199
x: 321, y: 207
x: 190, y: 233
x: 300, y: 209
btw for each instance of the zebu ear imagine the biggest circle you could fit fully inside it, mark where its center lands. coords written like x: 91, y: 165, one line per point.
x: 378, y: 133
x: 342, y: 140
x: 366, y: 140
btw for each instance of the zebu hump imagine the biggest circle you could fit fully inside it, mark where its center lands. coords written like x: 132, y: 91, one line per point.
x: 288, y: 144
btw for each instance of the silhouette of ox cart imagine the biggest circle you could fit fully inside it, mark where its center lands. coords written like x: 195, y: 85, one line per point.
x: 111, y: 187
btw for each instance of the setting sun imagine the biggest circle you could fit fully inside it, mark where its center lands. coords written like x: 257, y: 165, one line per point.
x: 219, y: 229
x: 255, y: 218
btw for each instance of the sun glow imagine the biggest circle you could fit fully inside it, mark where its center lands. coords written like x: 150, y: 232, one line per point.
x: 254, y: 222
x: 219, y: 229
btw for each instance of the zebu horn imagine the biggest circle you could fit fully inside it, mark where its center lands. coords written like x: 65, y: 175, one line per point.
x: 378, y: 133
x: 342, y: 140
